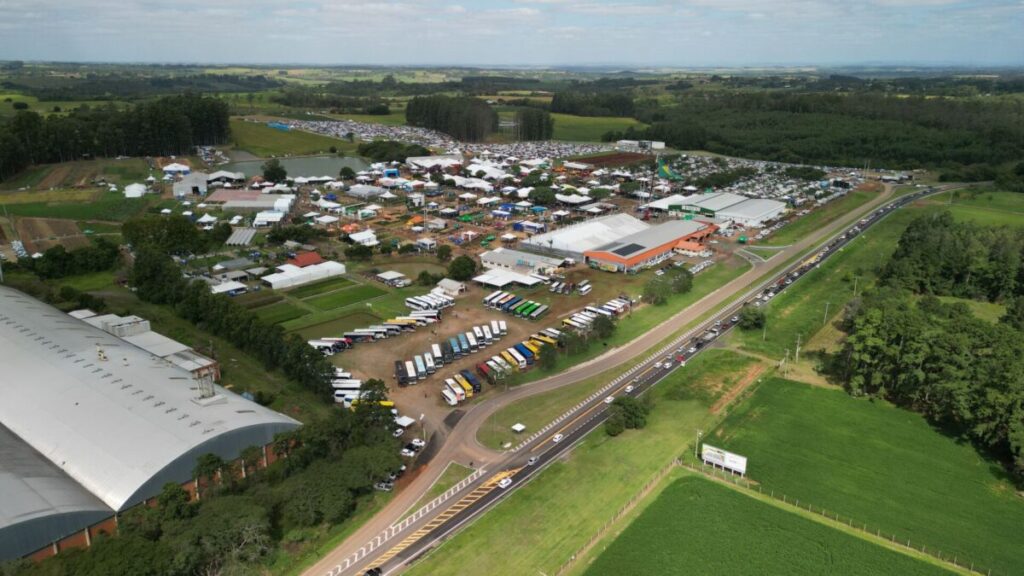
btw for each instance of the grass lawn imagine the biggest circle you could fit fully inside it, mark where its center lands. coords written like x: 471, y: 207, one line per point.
x: 697, y: 526
x: 452, y: 475
x: 800, y: 309
x: 819, y: 217
x: 764, y: 252
x: 280, y: 312
x: 983, y: 206
x: 989, y: 311
x: 264, y: 141
x: 589, y: 128
x: 108, y: 206
x: 541, y: 524
x: 89, y: 282
x: 346, y: 297
x: 319, y: 288
x: 879, y: 465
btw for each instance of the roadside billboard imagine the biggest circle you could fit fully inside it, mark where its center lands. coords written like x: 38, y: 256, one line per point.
x: 723, y: 459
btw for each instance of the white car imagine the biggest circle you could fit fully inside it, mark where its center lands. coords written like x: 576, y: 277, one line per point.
x: 418, y: 442
x: 398, y: 432
x: 609, y: 400
x: 406, y: 453
x: 557, y: 438
x: 505, y: 483
x: 629, y: 389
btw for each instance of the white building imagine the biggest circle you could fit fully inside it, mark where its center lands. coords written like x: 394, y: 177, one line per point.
x: 290, y: 276
x: 519, y: 261
x: 366, y: 238
x: 752, y: 213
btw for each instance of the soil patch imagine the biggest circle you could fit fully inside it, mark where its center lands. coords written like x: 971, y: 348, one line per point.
x: 751, y: 375
x: 40, y: 234
x: 56, y: 177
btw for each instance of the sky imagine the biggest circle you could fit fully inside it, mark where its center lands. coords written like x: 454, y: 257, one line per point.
x: 635, y: 33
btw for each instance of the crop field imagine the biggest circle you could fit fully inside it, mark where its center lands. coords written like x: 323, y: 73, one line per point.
x: 589, y: 128
x: 697, y: 526
x: 552, y: 516
x: 280, y: 312
x: 882, y: 466
x: 40, y: 234
x: 109, y: 206
x: 819, y: 217
x: 74, y: 195
x: 345, y: 297
x: 264, y: 141
x: 318, y: 288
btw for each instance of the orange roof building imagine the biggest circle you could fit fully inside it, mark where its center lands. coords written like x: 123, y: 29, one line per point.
x: 303, y: 259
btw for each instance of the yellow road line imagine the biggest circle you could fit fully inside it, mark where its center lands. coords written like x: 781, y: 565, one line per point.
x: 466, y: 501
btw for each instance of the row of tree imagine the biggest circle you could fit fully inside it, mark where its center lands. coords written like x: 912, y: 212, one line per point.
x: 173, y: 234
x: 167, y: 126
x: 463, y: 118
x: 533, y: 124
x: 310, y: 97
x: 582, y: 103
x: 58, y: 262
x: 390, y: 150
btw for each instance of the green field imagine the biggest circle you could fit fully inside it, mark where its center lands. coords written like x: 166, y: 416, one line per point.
x: 338, y: 326
x: 90, y: 282
x: 109, y: 206
x: 989, y: 311
x: 452, y: 475
x: 396, y: 118
x: 982, y: 206
x: 819, y: 217
x: 880, y: 465
x: 263, y: 141
x: 346, y: 297
x: 697, y: 526
x: 280, y: 312
x: 319, y: 287
x: 589, y: 128
x: 551, y: 517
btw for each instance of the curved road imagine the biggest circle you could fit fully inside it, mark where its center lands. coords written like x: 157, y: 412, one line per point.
x: 460, y: 443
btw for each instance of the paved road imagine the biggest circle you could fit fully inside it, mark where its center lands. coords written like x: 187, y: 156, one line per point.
x: 460, y: 443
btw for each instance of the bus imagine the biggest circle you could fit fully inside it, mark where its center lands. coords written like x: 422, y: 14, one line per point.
x: 464, y: 344
x: 349, y: 385
x: 456, y: 347
x: 400, y: 375
x: 473, y: 380
x: 508, y: 306
x: 545, y: 338
x: 473, y: 344
x: 410, y: 372
x: 503, y: 327
x: 466, y: 386
x: 435, y: 349
x: 421, y: 369
x: 525, y: 352
x: 455, y: 389
x: 448, y: 397
x: 540, y: 311
x: 494, y: 297
x: 533, y: 346
x: 512, y: 361
x: 495, y: 331
x: 554, y: 333
x: 479, y: 334
x: 447, y: 351
x: 502, y: 363
x: 428, y: 361
x: 488, y: 337
x: 485, y: 371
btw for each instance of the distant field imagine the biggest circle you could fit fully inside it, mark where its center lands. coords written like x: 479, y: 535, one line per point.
x: 263, y: 141
x: 346, y: 297
x: 880, y: 465
x: 396, y: 118
x: 992, y: 208
x: 109, y: 206
x: 589, y: 128
x: 79, y: 174
x: 697, y: 526
x: 319, y: 287
x: 50, y: 196
x: 822, y: 216
x: 280, y: 312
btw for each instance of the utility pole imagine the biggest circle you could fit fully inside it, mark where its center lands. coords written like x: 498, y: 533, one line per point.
x: 825, y: 319
x: 784, y: 361
x: 696, y: 447
x: 797, y: 359
x: 855, y: 279
x: 764, y: 330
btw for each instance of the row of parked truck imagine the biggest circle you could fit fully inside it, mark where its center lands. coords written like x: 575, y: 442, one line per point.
x: 516, y: 358
x: 447, y: 351
x: 509, y: 303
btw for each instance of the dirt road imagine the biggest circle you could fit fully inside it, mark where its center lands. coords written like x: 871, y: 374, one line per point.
x: 459, y: 443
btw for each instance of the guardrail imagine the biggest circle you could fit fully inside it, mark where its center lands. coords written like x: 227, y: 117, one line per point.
x: 395, y: 529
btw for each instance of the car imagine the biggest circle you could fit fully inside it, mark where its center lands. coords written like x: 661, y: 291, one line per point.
x: 373, y: 572
x: 384, y: 486
x: 734, y: 319
x: 418, y: 442
x: 406, y: 453
x: 557, y: 438
x: 691, y: 350
x: 505, y: 483
x: 629, y: 389
x: 531, y: 461
x: 658, y: 365
x: 411, y: 447
x: 609, y: 400
x: 398, y: 432
x: 659, y: 273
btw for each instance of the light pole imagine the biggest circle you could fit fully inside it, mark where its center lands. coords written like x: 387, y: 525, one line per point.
x: 696, y: 447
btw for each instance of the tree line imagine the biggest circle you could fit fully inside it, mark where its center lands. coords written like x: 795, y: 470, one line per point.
x: 533, y: 124
x: 58, y: 262
x: 317, y: 98
x: 130, y: 86
x: 173, y: 125
x: 461, y: 117
x: 390, y: 150
x: 580, y: 103
x: 963, y: 373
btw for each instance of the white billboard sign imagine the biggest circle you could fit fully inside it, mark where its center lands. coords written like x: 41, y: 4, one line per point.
x: 723, y: 459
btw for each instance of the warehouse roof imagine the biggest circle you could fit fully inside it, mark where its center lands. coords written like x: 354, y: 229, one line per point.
x: 579, y: 238
x: 116, y: 419
x: 519, y: 259
x: 652, y: 237
x: 716, y: 201
x: 755, y: 208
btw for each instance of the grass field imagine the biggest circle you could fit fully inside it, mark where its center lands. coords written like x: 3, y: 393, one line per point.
x: 338, y: 326
x: 346, y: 297
x: 589, y: 128
x: 819, y: 217
x: 452, y: 475
x: 263, y: 141
x: 882, y: 466
x: 989, y: 311
x: 545, y: 521
x: 697, y: 526
x: 280, y: 312
x: 988, y: 207
x: 108, y: 206
x: 75, y: 195
x: 395, y: 118
x: 90, y: 282
x: 319, y: 288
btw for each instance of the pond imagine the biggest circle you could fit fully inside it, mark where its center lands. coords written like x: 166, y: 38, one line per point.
x: 306, y: 166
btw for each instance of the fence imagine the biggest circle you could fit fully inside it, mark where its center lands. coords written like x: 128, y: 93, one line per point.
x: 625, y: 509
x: 742, y: 483
x: 395, y: 529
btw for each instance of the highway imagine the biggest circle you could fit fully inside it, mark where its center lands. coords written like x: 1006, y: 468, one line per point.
x: 394, y: 549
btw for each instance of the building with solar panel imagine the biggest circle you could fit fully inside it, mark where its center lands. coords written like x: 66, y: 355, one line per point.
x: 648, y: 247
x: 92, y: 424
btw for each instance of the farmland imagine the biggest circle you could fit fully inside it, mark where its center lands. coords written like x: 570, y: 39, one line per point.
x: 318, y: 288
x: 589, y: 128
x: 345, y: 297
x: 880, y: 465
x: 280, y: 312
x: 263, y: 141
x: 697, y: 526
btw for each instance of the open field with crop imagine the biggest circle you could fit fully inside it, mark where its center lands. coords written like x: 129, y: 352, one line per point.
x: 589, y: 128
x: 697, y: 526
x: 880, y: 465
x: 78, y: 174
x: 280, y: 312
x: 263, y: 141
x: 552, y: 516
x: 318, y: 288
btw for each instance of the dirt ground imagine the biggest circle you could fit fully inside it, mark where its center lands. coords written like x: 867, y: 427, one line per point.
x: 55, y: 177
x: 40, y: 234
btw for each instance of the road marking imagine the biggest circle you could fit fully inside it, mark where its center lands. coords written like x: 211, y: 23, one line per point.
x: 467, y: 501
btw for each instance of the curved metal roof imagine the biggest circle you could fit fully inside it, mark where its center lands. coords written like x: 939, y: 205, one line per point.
x: 116, y: 419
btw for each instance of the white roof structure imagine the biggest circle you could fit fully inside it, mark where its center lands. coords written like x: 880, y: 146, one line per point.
x: 752, y: 212
x: 716, y: 201
x: 578, y: 238
x: 573, y: 198
x: 117, y: 420
x: 229, y: 286
x: 326, y: 219
x: 267, y: 218
x: 365, y: 191
x: 241, y: 237
x: 135, y: 190
x: 206, y: 219
x: 500, y: 277
x: 427, y: 162
x: 517, y: 259
x: 176, y: 169
x: 366, y: 237
x: 290, y: 276
x: 667, y: 202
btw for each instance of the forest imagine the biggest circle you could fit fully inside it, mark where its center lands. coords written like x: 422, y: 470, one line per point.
x: 964, y: 374
x: 130, y: 86
x: 582, y: 103
x: 533, y: 124
x: 463, y: 118
x: 316, y: 98
x: 167, y: 126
